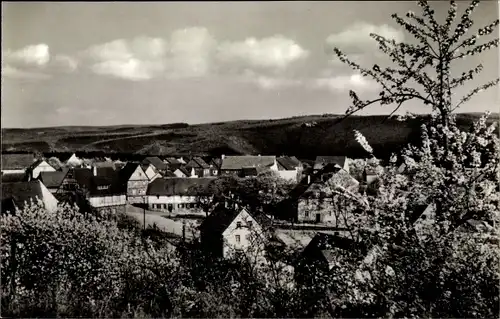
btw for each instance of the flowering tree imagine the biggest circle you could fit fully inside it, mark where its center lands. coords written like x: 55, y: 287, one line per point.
x: 423, y: 70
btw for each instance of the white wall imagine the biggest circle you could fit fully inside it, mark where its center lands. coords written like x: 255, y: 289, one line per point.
x: 74, y: 161
x: 246, y: 241
x: 289, y: 175
x: 42, y: 167
x: 104, y: 201
x: 13, y: 171
x: 49, y: 201
x: 329, y: 213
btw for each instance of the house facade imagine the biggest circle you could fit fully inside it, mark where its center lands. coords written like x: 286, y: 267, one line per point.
x: 226, y: 232
x: 236, y: 165
x: 338, y: 161
x: 74, y: 161
x: 176, y: 194
x: 136, y: 182
x: 289, y: 168
x: 320, y: 204
x: 40, y: 166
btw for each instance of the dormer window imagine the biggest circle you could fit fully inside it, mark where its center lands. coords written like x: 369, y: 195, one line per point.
x: 102, y: 187
x: 238, y: 225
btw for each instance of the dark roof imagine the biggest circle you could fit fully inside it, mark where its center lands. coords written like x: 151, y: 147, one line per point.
x: 239, y: 162
x: 127, y: 171
x: 197, y: 162
x: 217, y: 162
x: 221, y: 217
x: 322, y: 160
x: 178, y: 186
x: 156, y: 162
x: 185, y: 171
x: 288, y: 163
x: 17, y: 161
x: 251, y: 171
x: 173, y: 161
x: 105, y: 171
x: 108, y: 184
x: 53, y: 179
x: 20, y: 193
x: 14, y: 177
x: 328, y: 243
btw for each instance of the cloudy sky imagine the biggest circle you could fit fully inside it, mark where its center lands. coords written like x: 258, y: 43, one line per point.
x: 151, y: 63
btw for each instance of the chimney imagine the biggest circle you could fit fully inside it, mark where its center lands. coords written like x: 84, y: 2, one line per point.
x: 94, y: 170
x: 183, y: 231
x: 222, y: 156
x: 308, y: 179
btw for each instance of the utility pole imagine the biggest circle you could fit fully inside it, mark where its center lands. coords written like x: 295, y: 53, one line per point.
x: 144, y: 212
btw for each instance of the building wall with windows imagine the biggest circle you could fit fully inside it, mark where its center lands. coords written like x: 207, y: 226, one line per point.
x: 243, y: 234
x: 172, y: 203
x: 321, y: 210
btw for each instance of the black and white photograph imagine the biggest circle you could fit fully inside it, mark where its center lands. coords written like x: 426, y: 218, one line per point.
x: 250, y: 159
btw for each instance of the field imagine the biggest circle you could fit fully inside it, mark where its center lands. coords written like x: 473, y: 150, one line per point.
x: 281, y: 136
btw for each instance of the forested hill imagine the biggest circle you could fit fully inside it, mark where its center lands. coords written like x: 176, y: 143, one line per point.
x: 305, y: 137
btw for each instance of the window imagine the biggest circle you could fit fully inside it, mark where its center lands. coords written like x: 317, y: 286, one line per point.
x: 237, y: 238
x: 250, y: 224
x: 306, y: 214
x: 238, y: 225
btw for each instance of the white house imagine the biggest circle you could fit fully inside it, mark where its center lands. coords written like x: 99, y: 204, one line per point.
x: 338, y: 161
x: 236, y: 165
x: 136, y: 181
x: 289, y: 168
x: 150, y: 172
x: 40, y: 166
x: 173, y: 194
x: 228, y: 231
x: 74, y: 161
x: 319, y: 204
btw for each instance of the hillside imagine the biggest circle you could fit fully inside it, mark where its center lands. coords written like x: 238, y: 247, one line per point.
x: 281, y: 136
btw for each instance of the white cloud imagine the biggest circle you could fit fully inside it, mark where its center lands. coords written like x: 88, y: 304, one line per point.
x: 273, y: 52
x: 344, y: 83
x: 358, y: 35
x: 37, y: 54
x: 139, y: 59
x: 191, y: 51
x: 65, y: 62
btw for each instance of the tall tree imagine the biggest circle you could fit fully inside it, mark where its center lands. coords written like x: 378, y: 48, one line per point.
x: 423, y: 70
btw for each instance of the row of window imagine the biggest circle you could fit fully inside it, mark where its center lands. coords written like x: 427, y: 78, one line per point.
x: 170, y: 207
x: 249, y: 224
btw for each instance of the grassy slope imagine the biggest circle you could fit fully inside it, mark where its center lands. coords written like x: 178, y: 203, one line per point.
x: 282, y: 136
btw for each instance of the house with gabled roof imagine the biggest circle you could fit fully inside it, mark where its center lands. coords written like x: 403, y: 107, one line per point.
x: 104, y: 192
x: 321, y: 254
x: 235, y: 165
x: 322, y: 161
x: 319, y: 202
x: 176, y: 194
x: 19, y: 194
x: 150, y: 172
x: 73, y: 161
x: 53, y: 180
x: 40, y: 166
x: 289, y: 168
x: 200, y: 167
x: 215, y: 164
x: 156, y: 162
x: 172, y: 163
x: 184, y: 172
x: 136, y: 182
x: 227, y: 231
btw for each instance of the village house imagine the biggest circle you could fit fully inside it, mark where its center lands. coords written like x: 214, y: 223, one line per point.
x: 73, y: 161
x: 17, y: 163
x: 321, y: 254
x: 40, y: 166
x: 227, y: 231
x: 53, y: 180
x: 136, y: 181
x: 156, y: 163
x: 174, y: 194
x: 235, y: 165
x: 369, y: 175
x: 19, y: 194
x: 185, y: 173
x: 104, y: 193
x: 215, y: 164
x: 289, y: 168
x: 322, y: 161
x: 319, y: 204
x: 150, y: 172
x: 172, y: 163
x: 200, y: 167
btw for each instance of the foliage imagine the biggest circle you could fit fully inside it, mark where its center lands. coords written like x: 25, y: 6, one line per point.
x: 424, y: 70
x: 55, y: 162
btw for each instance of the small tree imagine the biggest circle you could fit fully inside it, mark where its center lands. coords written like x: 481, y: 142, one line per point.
x: 423, y: 70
